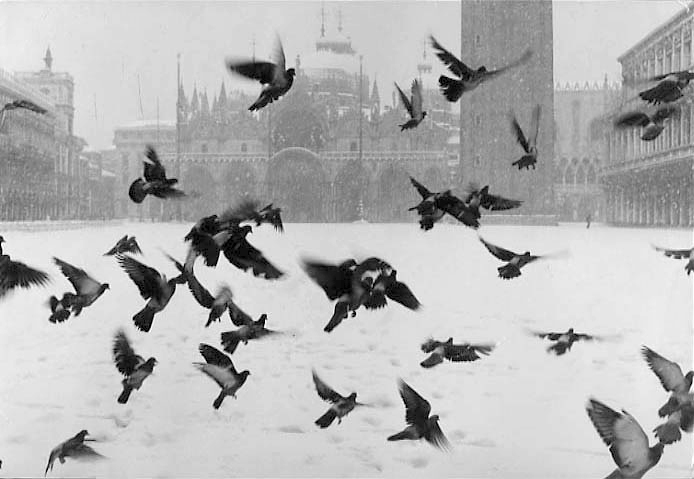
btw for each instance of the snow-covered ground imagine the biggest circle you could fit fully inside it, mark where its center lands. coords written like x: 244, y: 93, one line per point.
x: 517, y: 413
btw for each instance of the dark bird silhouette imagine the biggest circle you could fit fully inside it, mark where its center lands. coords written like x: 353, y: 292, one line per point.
x: 420, y: 424
x: 223, y: 301
x: 434, y: 205
x: 248, y: 330
x: 413, y: 105
x: 127, y: 244
x: 627, y: 442
x: 206, y: 239
x: 244, y: 256
x: 74, y: 448
x: 153, y: 286
x: 155, y: 181
x: 564, y: 341
x: 669, y: 88
x: 514, y: 261
x: 385, y: 285
x: 88, y: 289
x: 671, y: 378
x: 681, y: 418
x: 652, y: 124
x: 248, y: 210
x: 453, y: 352
x: 341, y: 405
x: 529, y: 144
x: 336, y: 282
x: 132, y: 366
x: 25, y: 104
x: 687, y: 254
x: 272, y: 75
x: 467, y: 78
x: 60, y: 308
x: 481, y: 198
x: 219, y: 367
x: 14, y: 274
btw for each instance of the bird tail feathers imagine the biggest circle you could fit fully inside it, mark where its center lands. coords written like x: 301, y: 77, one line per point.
x: 143, y: 319
x: 230, y: 340
x: 668, y: 432
x: 218, y: 402
x: 326, y: 419
x: 125, y: 395
x: 452, y: 89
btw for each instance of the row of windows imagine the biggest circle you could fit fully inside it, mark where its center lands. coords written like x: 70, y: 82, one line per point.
x: 659, y: 62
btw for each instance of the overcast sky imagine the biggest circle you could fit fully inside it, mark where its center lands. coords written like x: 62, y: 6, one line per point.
x: 106, y: 46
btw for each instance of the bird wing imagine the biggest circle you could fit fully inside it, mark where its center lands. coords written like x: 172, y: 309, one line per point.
x: 467, y: 352
x: 132, y: 246
x: 405, y: 101
x: 238, y: 316
x: 335, y: 281
x: 663, y: 113
x: 497, y: 251
x: 83, y: 452
x: 223, y: 376
x: 550, y: 336
x: 429, y: 345
x: 243, y: 255
x: 451, y: 61
x: 437, y: 438
x: 518, y: 131
x: 421, y: 189
x: 278, y: 56
x: 154, y: 170
x: 675, y: 253
x: 535, y: 125
x: 416, y: 99
x: 399, y: 292
x: 432, y: 360
x: 495, y: 202
x: 200, y: 293
x: 527, y: 55
x: 15, y: 273
x: 145, y: 278
x: 325, y: 392
x: 264, y: 72
x: 417, y: 408
x: 117, y: 246
x: 215, y: 357
x: 634, y: 118
x: 273, y: 216
x: 124, y: 355
x: 246, y: 209
x: 668, y: 372
x: 80, y: 280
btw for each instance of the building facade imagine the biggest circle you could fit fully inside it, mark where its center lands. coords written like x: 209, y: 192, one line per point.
x: 650, y: 183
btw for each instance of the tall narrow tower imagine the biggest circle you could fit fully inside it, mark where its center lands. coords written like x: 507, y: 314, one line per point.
x: 494, y: 34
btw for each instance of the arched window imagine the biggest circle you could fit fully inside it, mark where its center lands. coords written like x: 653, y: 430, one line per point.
x: 203, y: 148
x: 353, y: 146
x: 244, y: 147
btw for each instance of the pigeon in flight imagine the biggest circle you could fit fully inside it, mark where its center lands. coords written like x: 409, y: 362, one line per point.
x: 420, y: 424
x: 467, y: 78
x: 275, y: 79
x: 219, y: 367
x: 13, y: 105
x: 132, y: 366
x: 681, y: 418
x: 385, y: 285
x: 669, y: 88
x: 216, y: 304
x: 434, y: 205
x: 341, y: 406
x: 155, y: 181
x: 61, y: 308
x: 671, y: 378
x: 413, y: 105
x: 481, y: 198
x: 336, y: 282
x: 153, y: 286
x: 514, y: 261
x: 14, y: 274
x: 126, y: 244
x: 564, y: 341
x: 248, y: 330
x: 627, y: 442
x: 248, y: 210
x: 453, y: 352
x: 74, y: 448
x: 244, y: 256
x: 87, y: 289
x: 529, y: 144
x: 687, y: 254
x: 652, y: 124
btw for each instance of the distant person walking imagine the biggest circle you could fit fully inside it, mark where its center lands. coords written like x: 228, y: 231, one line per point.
x: 588, y: 218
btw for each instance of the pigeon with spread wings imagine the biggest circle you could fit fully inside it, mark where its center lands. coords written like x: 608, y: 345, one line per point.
x: 336, y: 282
x: 669, y: 88
x: 453, y: 352
x: 671, y: 378
x: 413, y: 105
x: 14, y: 274
x: 467, y: 78
x: 481, y: 198
x: 420, y: 424
x: 627, y: 442
x: 248, y: 330
x: 514, y: 261
x: 127, y: 244
x: 434, y: 205
x: 87, y: 288
x: 275, y: 79
x: 687, y: 254
x: 564, y: 341
x: 219, y: 367
x: 382, y: 283
x: 74, y: 448
x: 529, y: 144
x: 223, y: 301
x: 155, y: 182
x: 131, y: 365
x: 341, y: 405
x: 652, y: 125
x: 248, y: 210
x: 244, y: 256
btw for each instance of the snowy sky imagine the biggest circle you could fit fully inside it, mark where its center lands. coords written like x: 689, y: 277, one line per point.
x: 106, y: 46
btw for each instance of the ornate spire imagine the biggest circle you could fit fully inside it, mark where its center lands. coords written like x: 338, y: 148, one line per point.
x: 339, y: 20
x: 48, y: 59
x: 322, y: 19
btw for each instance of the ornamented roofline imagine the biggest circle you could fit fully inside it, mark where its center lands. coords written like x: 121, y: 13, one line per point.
x: 595, y: 86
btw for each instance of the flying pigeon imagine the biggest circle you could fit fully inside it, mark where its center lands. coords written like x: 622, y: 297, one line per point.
x: 681, y: 418
x: 153, y: 286
x: 420, y: 424
x: 275, y: 79
x: 627, y: 442
x: 467, y: 78
x: 687, y: 254
x: 132, y: 366
x: 219, y: 367
x: 413, y: 105
x: 248, y: 210
x: 434, y: 205
x: 336, y: 282
x: 564, y: 341
x: 74, y: 448
x: 453, y: 352
x: 669, y: 88
x: 481, y: 198
x: 671, y: 378
x: 529, y: 144
x: 61, y: 308
x: 341, y: 406
x: 87, y: 289
x: 652, y: 124
x: 25, y: 104
x: 126, y: 244
x: 248, y: 330
x: 14, y: 274
x: 218, y: 304
x: 155, y: 181
x: 385, y: 285
x: 514, y: 261
x: 244, y: 256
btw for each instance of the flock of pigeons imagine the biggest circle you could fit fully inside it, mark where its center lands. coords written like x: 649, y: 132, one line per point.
x: 352, y: 284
